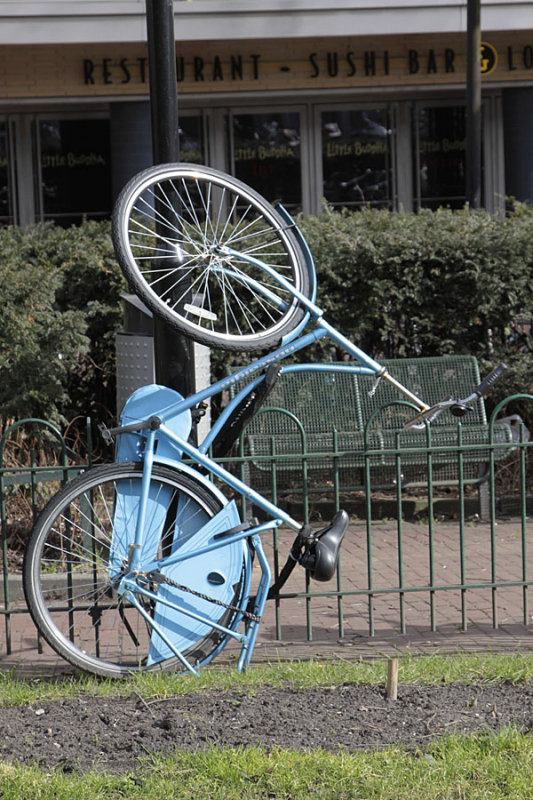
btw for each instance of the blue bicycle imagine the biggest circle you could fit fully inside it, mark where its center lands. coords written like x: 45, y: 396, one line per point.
x: 145, y: 564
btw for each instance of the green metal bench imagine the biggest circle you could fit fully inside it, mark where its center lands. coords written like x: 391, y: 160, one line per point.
x: 331, y: 423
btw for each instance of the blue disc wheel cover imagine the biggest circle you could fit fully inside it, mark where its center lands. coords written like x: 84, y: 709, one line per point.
x: 221, y: 574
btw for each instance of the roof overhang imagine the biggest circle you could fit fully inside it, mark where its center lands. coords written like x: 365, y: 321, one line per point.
x: 61, y: 22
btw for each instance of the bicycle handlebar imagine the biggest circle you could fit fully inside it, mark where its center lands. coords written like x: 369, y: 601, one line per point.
x: 488, y: 382
x: 458, y: 407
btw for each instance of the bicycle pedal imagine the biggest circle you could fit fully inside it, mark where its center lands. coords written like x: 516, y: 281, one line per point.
x: 105, y: 433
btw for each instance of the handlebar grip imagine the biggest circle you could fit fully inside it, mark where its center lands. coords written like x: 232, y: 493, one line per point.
x: 488, y: 382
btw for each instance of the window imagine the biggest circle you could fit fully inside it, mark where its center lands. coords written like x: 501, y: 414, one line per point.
x: 191, y: 140
x: 6, y: 201
x: 266, y: 155
x: 75, y: 176
x: 440, y: 143
x: 356, y: 158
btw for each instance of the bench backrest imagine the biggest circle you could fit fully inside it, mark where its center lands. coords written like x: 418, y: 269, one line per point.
x: 432, y: 379
x: 325, y: 400
x: 320, y: 400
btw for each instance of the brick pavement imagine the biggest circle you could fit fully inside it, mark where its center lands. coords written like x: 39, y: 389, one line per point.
x: 402, y: 620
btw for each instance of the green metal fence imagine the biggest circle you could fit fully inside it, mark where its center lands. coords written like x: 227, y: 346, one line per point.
x: 481, y: 526
x: 25, y: 486
x: 410, y: 552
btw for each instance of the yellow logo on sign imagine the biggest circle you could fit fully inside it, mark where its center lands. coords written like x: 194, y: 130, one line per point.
x: 488, y: 58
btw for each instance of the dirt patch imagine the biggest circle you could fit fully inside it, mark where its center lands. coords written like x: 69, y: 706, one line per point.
x: 117, y: 735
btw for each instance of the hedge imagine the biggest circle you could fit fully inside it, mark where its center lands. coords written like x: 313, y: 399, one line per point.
x: 429, y: 283
x: 425, y: 283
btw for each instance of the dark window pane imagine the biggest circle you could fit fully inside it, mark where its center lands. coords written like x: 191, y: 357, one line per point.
x: 75, y: 169
x: 356, y: 158
x: 6, y: 207
x: 192, y: 140
x: 267, y: 155
x: 441, y: 156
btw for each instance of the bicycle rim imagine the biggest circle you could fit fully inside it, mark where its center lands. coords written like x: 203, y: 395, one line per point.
x: 75, y: 555
x: 170, y: 227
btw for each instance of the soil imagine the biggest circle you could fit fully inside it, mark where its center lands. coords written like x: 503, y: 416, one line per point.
x: 119, y: 735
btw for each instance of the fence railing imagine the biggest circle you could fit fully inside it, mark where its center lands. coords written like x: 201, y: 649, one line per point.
x: 410, y: 553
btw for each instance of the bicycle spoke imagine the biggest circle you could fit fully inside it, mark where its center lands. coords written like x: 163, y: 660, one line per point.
x: 171, y: 239
x: 77, y: 560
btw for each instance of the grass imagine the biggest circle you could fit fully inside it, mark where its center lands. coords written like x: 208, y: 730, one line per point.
x: 487, y: 767
x: 482, y: 767
x: 433, y: 669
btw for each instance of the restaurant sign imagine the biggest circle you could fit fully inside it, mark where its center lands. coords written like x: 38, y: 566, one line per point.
x: 325, y: 63
x: 96, y: 69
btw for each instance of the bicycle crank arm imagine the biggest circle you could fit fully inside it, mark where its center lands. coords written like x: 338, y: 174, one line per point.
x: 153, y: 424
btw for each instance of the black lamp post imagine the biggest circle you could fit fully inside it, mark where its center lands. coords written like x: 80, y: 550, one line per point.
x: 473, y: 104
x: 174, y: 354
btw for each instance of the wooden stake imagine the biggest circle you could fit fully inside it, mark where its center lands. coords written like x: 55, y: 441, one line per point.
x: 392, y: 679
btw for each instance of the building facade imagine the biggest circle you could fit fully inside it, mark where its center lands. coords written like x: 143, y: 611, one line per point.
x: 358, y: 102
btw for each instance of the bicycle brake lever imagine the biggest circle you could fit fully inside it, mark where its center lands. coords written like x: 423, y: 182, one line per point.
x: 458, y: 407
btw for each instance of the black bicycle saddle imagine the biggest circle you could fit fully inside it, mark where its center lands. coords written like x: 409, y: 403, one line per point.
x: 321, y: 551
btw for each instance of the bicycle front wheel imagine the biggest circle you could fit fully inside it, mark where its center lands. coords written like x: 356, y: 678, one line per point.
x: 171, y: 224
x: 79, y: 547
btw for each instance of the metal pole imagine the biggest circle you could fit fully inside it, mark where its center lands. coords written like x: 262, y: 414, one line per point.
x: 473, y: 104
x: 173, y: 353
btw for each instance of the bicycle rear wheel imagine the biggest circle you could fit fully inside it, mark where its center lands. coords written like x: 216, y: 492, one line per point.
x: 79, y: 548
x: 170, y: 225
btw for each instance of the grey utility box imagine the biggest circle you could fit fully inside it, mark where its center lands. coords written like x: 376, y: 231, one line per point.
x: 134, y: 349
x: 135, y: 357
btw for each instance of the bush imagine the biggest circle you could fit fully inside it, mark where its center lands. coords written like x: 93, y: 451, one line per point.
x: 60, y: 293
x: 428, y: 283
x: 423, y: 284
x: 92, y: 285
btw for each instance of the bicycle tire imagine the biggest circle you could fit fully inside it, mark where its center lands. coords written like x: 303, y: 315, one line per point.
x: 168, y: 225
x: 73, y: 554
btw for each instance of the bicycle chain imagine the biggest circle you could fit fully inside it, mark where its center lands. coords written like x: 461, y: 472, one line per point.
x: 158, y: 577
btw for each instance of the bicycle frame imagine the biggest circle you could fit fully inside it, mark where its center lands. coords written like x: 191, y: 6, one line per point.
x: 129, y: 585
